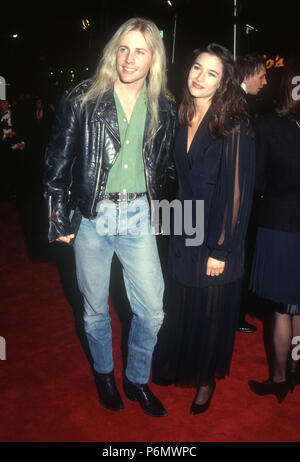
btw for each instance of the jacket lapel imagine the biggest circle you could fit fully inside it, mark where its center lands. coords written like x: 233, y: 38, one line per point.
x: 106, y: 112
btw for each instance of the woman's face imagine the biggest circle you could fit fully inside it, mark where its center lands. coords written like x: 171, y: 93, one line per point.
x: 205, y: 76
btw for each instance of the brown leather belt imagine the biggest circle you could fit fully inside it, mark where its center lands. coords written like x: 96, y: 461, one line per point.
x: 122, y: 197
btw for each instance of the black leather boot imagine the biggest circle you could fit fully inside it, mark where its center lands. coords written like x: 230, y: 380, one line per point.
x: 142, y: 393
x: 109, y: 395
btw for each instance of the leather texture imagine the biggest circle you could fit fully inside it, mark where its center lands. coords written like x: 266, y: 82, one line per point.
x: 109, y: 395
x: 148, y: 401
x: 84, y: 145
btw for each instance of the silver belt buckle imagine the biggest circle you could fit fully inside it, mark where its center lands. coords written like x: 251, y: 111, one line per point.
x: 123, y: 197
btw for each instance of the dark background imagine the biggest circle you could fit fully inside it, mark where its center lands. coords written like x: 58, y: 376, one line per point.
x: 51, y: 41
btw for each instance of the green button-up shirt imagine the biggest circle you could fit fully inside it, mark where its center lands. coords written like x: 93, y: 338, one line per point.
x: 128, y: 172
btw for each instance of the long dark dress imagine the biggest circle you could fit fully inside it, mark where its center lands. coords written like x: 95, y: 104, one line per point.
x: 196, y: 340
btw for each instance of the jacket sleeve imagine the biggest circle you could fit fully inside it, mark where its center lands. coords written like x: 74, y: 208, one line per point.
x: 59, y: 160
x: 232, y: 200
x: 171, y: 171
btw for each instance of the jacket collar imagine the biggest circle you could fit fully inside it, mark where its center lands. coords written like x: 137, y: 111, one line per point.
x: 107, y: 111
x: 164, y: 104
x: 107, y: 102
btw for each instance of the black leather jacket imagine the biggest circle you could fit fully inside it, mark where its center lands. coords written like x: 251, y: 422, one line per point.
x: 84, y: 145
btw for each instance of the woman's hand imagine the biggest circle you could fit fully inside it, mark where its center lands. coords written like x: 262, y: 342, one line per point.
x: 214, y: 267
x: 66, y: 239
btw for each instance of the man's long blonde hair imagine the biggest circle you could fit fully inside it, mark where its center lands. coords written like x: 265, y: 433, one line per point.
x: 106, y: 73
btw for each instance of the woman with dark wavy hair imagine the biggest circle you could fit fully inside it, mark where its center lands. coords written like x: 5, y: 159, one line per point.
x: 215, y: 158
x: 276, y: 263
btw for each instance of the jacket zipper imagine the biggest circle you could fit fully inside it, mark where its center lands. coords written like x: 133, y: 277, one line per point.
x: 101, y: 158
x: 50, y: 207
x: 99, y: 169
x: 146, y: 172
x: 110, y: 130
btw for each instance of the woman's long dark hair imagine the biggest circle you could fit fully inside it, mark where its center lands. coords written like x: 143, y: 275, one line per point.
x: 228, y: 103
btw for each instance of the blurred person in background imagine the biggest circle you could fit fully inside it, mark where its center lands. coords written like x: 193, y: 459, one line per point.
x: 12, y: 146
x: 276, y: 263
x: 250, y: 71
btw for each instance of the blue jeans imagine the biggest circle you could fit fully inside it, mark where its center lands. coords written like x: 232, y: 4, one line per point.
x: 123, y: 228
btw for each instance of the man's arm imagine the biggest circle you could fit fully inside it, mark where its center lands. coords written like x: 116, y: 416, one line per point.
x: 59, y: 159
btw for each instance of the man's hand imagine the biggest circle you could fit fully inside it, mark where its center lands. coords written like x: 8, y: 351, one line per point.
x: 66, y: 239
x: 214, y: 267
x: 10, y: 134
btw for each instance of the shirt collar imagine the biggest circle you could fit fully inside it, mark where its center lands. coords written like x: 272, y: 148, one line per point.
x: 244, y: 87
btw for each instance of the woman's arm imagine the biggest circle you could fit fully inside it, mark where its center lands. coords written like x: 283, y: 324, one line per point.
x: 232, y: 200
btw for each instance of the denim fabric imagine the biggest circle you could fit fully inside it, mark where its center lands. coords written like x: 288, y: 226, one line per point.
x: 123, y: 228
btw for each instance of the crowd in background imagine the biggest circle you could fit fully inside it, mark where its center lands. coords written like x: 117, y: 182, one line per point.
x: 25, y: 129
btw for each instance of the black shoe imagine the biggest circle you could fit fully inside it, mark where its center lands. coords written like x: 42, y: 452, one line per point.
x: 246, y: 327
x: 142, y: 393
x: 279, y: 389
x: 200, y: 408
x: 109, y: 395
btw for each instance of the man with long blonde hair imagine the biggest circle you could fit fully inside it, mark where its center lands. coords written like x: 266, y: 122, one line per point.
x: 107, y: 158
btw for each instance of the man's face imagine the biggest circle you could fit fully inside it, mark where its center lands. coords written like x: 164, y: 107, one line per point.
x: 4, y: 105
x: 39, y: 103
x: 134, y: 58
x: 254, y: 83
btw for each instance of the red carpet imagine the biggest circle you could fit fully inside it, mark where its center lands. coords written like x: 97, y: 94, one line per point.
x: 47, y: 389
